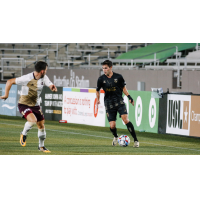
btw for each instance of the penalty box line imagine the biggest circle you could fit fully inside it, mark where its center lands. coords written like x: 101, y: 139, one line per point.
x: 74, y: 133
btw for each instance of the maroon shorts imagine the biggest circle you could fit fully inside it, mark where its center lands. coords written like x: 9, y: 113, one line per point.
x: 36, y: 110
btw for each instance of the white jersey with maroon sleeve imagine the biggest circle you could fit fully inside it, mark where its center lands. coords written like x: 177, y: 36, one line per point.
x: 31, y: 88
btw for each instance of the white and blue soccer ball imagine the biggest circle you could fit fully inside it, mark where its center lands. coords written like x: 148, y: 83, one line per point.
x: 123, y: 141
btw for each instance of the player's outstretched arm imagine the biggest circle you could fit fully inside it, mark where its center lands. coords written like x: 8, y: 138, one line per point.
x: 53, y: 88
x: 125, y: 91
x: 9, y: 84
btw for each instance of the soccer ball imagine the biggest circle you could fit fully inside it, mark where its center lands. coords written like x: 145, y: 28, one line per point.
x: 124, y: 141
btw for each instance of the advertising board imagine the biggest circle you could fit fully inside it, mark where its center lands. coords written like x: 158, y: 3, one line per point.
x: 144, y: 113
x: 178, y: 114
x: 8, y: 107
x: 18, y: 95
x: 51, y: 103
x: 79, y: 106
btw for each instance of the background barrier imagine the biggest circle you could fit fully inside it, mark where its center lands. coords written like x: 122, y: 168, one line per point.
x: 79, y: 106
x: 19, y: 88
x: 144, y: 113
x: 180, y: 115
x: 9, y: 107
x: 177, y: 114
x: 51, y: 103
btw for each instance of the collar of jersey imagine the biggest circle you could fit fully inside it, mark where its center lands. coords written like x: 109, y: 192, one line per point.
x: 111, y: 76
x: 34, y: 76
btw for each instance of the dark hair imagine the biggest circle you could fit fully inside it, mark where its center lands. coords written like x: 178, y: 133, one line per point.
x: 40, y: 65
x: 107, y: 62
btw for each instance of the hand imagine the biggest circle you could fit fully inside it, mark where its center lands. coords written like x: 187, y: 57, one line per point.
x: 53, y: 88
x: 132, y: 102
x: 98, y: 102
x: 4, y: 97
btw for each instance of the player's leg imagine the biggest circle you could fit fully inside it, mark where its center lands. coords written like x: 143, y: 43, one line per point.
x: 113, y: 128
x: 41, y: 128
x: 42, y: 136
x: 114, y: 132
x: 31, y: 120
x: 111, y: 115
x: 131, y: 129
x: 124, y: 115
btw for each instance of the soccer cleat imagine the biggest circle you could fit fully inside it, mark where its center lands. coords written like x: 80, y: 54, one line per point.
x: 114, y: 142
x: 22, y: 140
x: 44, y: 149
x: 136, y: 144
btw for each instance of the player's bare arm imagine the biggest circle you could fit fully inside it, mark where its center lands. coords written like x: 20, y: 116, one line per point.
x: 9, y: 84
x: 125, y: 91
x: 53, y: 88
x: 98, y: 96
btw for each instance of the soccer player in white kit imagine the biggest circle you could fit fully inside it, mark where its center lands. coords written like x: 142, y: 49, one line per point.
x: 29, y: 105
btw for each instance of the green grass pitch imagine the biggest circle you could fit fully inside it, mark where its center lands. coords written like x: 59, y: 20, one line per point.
x: 75, y: 139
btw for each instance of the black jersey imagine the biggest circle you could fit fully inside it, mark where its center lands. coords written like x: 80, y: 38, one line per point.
x: 113, y: 88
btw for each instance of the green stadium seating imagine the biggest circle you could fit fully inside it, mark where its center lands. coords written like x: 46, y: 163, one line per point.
x: 162, y: 50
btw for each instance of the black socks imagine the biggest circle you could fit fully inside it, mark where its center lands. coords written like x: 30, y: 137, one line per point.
x: 114, y: 132
x: 129, y: 127
x: 131, y: 130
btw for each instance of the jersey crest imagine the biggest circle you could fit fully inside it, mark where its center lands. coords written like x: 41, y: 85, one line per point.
x: 115, y: 80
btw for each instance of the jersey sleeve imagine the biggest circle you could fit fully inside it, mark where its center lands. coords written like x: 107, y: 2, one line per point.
x: 122, y: 81
x: 47, y: 82
x: 99, y: 84
x: 23, y: 80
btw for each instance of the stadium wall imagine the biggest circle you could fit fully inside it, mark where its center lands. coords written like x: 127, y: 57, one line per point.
x: 87, y: 78
x: 176, y: 114
x: 80, y: 78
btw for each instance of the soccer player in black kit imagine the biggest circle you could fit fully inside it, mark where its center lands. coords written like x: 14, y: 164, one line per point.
x: 114, y: 84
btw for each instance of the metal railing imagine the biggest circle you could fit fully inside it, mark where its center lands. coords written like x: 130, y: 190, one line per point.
x: 20, y: 62
x: 127, y: 45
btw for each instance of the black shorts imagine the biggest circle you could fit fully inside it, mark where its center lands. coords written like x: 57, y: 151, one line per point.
x: 112, y: 112
x: 26, y: 110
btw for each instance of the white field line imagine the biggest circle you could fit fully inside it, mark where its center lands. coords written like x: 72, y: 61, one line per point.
x: 67, y: 132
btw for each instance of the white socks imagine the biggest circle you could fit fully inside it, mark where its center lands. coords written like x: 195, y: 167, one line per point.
x: 41, y: 136
x: 41, y: 132
x: 28, y: 126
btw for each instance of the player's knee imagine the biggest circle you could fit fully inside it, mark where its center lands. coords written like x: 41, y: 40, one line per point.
x: 126, y: 121
x: 42, y: 134
x: 40, y: 126
x: 112, y: 126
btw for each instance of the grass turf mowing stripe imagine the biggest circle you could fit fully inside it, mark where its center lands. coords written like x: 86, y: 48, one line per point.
x: 77, y: 133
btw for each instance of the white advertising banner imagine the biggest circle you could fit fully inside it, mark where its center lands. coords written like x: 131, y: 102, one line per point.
x: 178, y: 114
x: 79, y: 106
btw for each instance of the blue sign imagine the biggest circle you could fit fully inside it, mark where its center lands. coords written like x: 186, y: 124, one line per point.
x: 19, y: 88
x: 8, y: 107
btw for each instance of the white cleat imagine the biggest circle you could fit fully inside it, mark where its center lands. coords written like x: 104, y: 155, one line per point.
x: 136, y: 144
x: 115, y: 140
